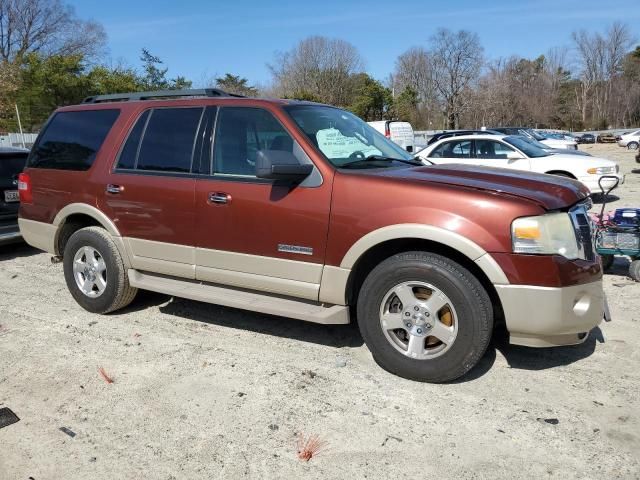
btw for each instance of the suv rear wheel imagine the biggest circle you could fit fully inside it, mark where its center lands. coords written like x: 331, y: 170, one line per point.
x: 95, y: 273
x: 424, y: 317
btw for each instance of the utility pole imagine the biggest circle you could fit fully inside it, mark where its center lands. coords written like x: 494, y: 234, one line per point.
x: 20, y: 125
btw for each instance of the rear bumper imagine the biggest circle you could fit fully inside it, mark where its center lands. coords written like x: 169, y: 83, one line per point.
x: 9, y: 233
x: 549, y: 316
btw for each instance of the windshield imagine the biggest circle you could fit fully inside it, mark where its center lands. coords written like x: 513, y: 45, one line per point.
x: 345, y: 139
x: 534, y: 134
x: 533, y: 142
x: 528, y: 149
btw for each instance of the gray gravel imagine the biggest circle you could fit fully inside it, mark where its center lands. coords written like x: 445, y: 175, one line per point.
x: 202, y: 391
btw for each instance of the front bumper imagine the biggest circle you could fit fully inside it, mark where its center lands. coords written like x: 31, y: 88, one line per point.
x: 591, y: 182
x: 551, y: 316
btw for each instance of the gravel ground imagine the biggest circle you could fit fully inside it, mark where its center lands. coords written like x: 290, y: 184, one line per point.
x: 202, y: 391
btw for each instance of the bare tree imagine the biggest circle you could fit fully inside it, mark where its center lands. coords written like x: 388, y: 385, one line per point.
x: 600, y: 59
x: 48, y: 27
x: 317, y: 68
x: 456, y: 59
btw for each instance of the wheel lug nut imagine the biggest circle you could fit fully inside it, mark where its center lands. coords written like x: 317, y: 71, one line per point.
x: 426, y: 314
x: 428, y: 325
x: 407, y: 314
x: 419, y: 331
x: 408, y: 325
x: 416, y: 308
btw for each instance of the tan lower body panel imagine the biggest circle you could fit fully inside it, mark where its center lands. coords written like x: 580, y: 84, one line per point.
x: 246, y: 300
x: 546, y: 316
x: 40, y: 235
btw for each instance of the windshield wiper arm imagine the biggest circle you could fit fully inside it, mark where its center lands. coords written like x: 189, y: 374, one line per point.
x: 392, y: 159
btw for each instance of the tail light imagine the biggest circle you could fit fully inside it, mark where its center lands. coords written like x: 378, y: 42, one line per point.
x: 24, y: 188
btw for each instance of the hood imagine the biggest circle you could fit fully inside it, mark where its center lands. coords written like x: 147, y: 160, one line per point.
x: 548, y: 191
x: 586, y: 162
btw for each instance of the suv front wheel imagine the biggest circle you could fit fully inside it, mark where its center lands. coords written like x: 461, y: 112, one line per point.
x: 95, y: 273
x: 424, y: 317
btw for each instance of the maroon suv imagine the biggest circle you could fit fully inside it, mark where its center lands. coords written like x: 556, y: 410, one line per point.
x: 302, y: 210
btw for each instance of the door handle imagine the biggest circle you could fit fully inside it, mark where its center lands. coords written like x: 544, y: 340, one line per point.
x: 219, y: 197
x: 114, y: 189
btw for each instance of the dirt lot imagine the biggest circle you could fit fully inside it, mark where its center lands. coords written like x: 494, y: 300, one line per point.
x: 202, y: 391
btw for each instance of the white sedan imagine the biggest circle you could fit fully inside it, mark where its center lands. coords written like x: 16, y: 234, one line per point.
x: 631, y: 140
x: 512, y: 151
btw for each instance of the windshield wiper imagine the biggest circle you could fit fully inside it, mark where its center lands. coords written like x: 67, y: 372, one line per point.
x: 382, y: 158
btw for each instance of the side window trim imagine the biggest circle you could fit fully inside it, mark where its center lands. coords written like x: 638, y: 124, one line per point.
x: 144, y: 131
x: 195, y: 139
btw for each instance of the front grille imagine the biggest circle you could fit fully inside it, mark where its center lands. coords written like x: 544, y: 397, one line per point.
x: 584, y: 231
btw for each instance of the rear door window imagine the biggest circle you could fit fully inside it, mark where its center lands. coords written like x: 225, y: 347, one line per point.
x: 168, y: 140
x: 71, y: 140
x: 11, y: 165
x: 453, y: 149
x: 162, y: 140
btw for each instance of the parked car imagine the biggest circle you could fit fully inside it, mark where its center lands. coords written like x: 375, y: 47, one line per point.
x: 303, y: 210
x: 586, y: 138
x: 630, y: 140
x: 400, y: 133
x: 12, y: 161
x: 528, y: 132
x: 514, y: 152
x: 551, y: 150
x: 457, y: 133
x: 606, y: 138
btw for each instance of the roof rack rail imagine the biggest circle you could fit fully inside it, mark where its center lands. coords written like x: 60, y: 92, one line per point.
x: 159, y: 94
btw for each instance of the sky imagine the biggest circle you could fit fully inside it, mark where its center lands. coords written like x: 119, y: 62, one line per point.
x: 200, y: 39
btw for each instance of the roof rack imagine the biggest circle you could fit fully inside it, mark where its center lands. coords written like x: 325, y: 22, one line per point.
x: 158, y: 95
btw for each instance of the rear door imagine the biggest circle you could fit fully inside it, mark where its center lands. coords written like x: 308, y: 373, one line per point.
x: 402, y: 134
x: 149, y: 194
x: 452, y: 151
x: 11, y: 164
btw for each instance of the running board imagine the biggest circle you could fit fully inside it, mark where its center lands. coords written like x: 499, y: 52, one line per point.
x: 229, y: 297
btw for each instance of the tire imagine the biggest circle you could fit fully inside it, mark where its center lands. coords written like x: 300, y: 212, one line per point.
x: 632, y: 145
x: 607, y: 261
x: 467, y: 317
x: 634, y: 270
x: 99, y: 270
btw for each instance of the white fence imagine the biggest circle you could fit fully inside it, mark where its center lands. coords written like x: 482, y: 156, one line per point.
x: 18, y: 140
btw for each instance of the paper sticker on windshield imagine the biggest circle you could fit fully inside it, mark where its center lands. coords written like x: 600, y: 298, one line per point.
x: 336, y: 145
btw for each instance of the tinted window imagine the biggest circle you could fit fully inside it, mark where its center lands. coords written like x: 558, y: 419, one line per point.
x: 453, y: 149
x: 71, y: 140
x: 167, y: 145
x: 241, y: 132
x: 490, y: 149
x: 11, y: 165
x: 130, y: 150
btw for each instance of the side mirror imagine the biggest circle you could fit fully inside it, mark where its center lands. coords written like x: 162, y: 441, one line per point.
x: 280, y: 165
x: 514, y: 156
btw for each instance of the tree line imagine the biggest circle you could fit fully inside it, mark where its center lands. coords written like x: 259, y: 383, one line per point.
x: 50, y: 58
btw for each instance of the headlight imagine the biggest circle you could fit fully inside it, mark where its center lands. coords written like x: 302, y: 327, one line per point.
x: 551, y: 234
x: 602, y: 170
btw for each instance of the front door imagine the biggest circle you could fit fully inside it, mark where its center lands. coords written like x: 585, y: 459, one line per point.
x: 254, y: 233
x: 493, y: 153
